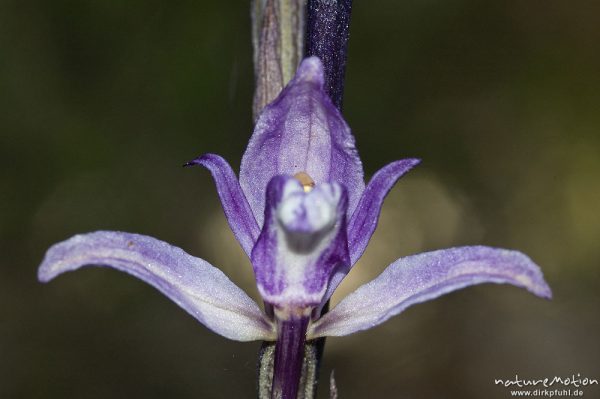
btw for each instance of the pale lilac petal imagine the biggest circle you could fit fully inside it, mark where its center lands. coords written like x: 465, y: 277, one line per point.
x: 301, y: 131
x: 426, y: 276
x: 196, y: 286
x: 363, y: 222
x: 302, y: 244
x: 234, y: 202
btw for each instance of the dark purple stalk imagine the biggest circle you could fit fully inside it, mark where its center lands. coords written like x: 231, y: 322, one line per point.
x: 289, y: 355
x: 327, y: 33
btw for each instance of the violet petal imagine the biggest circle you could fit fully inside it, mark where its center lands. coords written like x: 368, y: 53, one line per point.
x: 426, y: 276
x: 363, y: 221
x: 301, y: 131
x: 192, y: 283
x: 234, y: 202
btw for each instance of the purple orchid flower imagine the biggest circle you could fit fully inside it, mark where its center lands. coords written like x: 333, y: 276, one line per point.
x: 303, y: 215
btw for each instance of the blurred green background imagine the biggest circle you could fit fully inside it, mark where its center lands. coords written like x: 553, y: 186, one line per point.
x: 103, y: 101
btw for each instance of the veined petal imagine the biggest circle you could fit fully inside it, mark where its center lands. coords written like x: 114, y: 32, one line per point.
x: 364, y: 220
x: 301, y: 131
x: 302, y: 244
x: 426, y: 276
x: 192, y: 283
x: 234, y: 202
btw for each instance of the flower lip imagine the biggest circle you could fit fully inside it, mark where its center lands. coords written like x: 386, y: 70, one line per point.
x: 302, y: 243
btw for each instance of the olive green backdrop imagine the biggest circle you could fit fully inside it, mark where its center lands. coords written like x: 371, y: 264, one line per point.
x: 101, y: 102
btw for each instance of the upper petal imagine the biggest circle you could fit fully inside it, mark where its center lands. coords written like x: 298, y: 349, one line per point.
x: 234, y: 202
x: 301, y: 131
x: 426, y: 276
x: 195, y: 285
x: 363, y: 221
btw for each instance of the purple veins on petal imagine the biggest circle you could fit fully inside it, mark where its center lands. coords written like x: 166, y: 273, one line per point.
x: 192, y: 283
x: 235, y: 205
x: 419, y: 278
x: 301, y: 131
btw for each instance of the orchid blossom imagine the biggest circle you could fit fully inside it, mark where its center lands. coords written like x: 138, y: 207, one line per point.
x: 303, y: 215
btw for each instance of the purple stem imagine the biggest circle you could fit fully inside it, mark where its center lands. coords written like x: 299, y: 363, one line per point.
x: 327, y: 33
x: 289, y: 355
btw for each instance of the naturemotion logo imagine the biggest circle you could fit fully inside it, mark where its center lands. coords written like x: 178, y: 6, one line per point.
x: 574, y: 381
x: 541, y: 385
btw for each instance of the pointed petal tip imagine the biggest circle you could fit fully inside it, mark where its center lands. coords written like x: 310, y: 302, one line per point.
x: 539, y: 287
x: 193, y: 162
x: 408, y: 163
x: 311, y: 70
x: 198, y: 160
x: 52, y: 264
x: 519, y: 269
x: 546, y: 293
x: 403, y: 165
x: 542, y: 290
x: 42, y: 275
x: 530, y: 275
